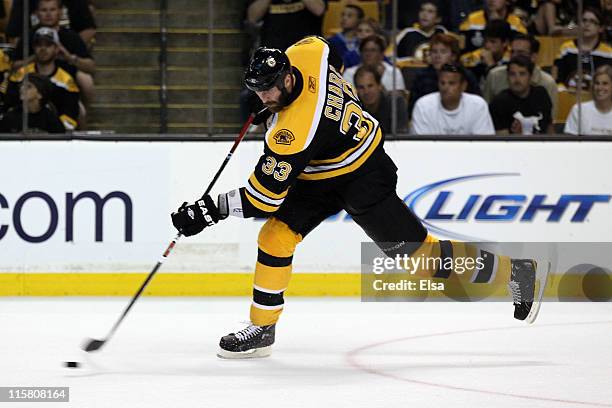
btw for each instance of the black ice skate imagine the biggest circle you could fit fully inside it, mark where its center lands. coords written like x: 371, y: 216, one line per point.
x: 527, y: 284
x: 251, y: 342
x: 522, y: 286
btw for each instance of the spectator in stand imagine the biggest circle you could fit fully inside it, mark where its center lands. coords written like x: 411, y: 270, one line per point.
x: 42, y: 117
x: 413, y: 43
x: 71, y: 48
x: 522, y: 108
x: 372, y: 55
x: 444, y: 49
x: 285, y: 22
x: 524, y: 10
x: 451, y: 111
x: 454, y: 11
x: 472, y: 28
x: 64, y: 93
x: 596, y: 114
x: 76, y: 15
x: 346, y: 43
x: 378, y: 102
x: 595, y: 53
x: 495, y: 52
x: 556, y: 17
x: 497, y: 79
x: 368, y: 27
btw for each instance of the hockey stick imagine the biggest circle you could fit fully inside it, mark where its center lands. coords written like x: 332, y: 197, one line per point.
x: 94, y: 344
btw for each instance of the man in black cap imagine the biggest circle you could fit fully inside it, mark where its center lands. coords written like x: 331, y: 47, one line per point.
x: 72, y: 50
x: 64, y: 92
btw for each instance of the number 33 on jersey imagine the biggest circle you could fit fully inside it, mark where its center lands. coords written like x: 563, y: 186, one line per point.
x: 323, y: 133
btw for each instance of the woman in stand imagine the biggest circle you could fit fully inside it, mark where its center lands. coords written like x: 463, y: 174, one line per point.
x: 596, y: 114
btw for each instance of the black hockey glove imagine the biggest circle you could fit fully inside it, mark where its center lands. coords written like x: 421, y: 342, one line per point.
x: 261, y: 116
x: 192, y: 219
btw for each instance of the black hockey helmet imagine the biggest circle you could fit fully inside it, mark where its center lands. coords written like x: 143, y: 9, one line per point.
x: 266, y: 69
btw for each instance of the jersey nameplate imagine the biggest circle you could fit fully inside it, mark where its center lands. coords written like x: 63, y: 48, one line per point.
x: 337, y: 87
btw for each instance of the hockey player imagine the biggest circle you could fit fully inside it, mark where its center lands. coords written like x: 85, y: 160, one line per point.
x: 322, y: 154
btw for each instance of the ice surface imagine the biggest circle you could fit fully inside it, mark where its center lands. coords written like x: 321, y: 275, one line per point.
x: 328, y: 353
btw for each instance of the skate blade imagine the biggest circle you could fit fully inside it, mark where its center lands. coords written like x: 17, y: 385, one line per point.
x: 542, y: 271
x: 254, y: 353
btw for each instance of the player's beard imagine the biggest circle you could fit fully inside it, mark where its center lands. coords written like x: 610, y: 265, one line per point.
x: 274, y: 107
x: 283, y: 101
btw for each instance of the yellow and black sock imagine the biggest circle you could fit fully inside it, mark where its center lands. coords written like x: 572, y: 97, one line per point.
x: 277, y: 244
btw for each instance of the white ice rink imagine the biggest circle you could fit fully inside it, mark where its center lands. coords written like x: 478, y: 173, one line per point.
x: 328, y: 353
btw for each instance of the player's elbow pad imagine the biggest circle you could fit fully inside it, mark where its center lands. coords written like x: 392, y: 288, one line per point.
x: 237, y: 204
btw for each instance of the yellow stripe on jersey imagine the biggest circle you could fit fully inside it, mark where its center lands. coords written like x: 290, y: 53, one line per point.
x: 516, y: 23
x: 5, y: 62
x: 64, y: 80
x: 18, y: 75
x: 294, y: 127
x: 259, y: 205
x: 349, y: 167
x: 568, y: 47
x: 61, y: 78
x: 478, y: 20
x: 473, y: 58
x: 474, y: 21
x: 264, y: 191
x: 68, y: 122
x: 602, y: 50
x: 350, y: 151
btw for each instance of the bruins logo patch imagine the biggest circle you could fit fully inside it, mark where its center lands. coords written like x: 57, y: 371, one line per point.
x: 312, y: 84
x: 284, y: 137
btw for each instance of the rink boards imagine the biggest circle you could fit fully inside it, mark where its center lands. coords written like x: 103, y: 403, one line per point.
x: 92, y: 218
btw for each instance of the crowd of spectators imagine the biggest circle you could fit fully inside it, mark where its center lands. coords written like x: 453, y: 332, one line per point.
x: 53, y: 79
x: 465, y: 66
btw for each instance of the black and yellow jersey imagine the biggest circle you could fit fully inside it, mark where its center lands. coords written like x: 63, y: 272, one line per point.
x: 566, y: 63
x: 473, y: 27
x: 5, y: 70
x: 5, y: 62
x: 322, y: 134
x: 64, y: 95
x: 474, y: 62
x: 412, y: 44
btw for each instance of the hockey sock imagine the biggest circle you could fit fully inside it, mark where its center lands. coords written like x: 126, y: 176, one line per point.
x: 277, y: 243
x: 460, y: 261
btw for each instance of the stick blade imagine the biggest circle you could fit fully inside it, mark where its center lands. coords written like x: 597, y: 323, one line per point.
x: 93, y: 345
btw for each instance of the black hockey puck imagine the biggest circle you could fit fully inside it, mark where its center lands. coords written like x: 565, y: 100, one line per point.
x: 72, y: 364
